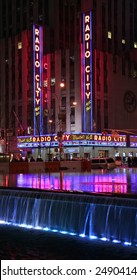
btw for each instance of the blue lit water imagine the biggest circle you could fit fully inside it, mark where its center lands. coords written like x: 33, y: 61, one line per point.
x: 95, y: 205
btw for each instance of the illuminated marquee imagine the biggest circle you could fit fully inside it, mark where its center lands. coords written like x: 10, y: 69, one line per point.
x: 38, y: 78
x: 133, y: 141
x: 86, y: 72
x: 93, y: 139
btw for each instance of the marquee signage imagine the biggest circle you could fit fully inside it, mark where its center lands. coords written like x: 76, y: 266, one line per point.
x: 38, y: 78
x: 75, y: 139
x: 133, y: 141
x: 86, y: 72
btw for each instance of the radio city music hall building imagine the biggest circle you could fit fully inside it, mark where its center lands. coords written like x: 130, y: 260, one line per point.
x: 98, y: 69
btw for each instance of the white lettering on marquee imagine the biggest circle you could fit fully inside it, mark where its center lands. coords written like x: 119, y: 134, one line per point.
x: 75, y: 137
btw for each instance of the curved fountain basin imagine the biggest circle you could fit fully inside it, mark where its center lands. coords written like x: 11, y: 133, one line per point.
x: 93, y: 216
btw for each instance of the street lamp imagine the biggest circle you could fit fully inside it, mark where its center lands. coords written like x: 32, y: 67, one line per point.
x: 74, y: 103
x: 62, y: 84
x: 58, y: 116
x: 46, y: 112
x: 57, y: 97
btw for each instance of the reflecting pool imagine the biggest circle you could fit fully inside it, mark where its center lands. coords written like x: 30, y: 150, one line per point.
x: 118, y: 181
x: 94, y: 205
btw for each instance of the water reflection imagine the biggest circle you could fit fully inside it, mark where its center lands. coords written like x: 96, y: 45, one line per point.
x: 116, y: 181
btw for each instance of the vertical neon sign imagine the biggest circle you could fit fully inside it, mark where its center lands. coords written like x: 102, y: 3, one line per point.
x: 46, y: 94
x: 38, y: 78
x: 86, y: 72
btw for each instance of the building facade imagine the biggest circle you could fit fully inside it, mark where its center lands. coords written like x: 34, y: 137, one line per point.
x: 89, y: 46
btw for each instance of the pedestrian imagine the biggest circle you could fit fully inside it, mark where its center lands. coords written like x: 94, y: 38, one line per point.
x: 32, y: 158
x: 129, y: 162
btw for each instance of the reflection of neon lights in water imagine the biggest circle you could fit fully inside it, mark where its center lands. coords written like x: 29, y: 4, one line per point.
x: 101, y: 220
x: 118, y: 181
x: 98, y: 183
x: 4, y: 180
x: 132, y: 179
x: 112, y: 184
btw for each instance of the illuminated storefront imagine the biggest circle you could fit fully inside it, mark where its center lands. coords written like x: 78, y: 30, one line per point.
x: 79, y: 144
x: 133, y: 141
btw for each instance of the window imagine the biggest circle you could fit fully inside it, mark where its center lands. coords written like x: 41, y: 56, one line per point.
x: 19, y: 45
x: 98, y: 115
x: 63, y: 101
x: 123, y: 66
x: 114, y: 64
x: 72, y: 115
x: 129, y: 68
x: 109, y: 35
x: 135, y: 45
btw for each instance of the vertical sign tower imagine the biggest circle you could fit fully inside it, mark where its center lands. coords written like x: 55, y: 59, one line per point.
x: 86, y: 72
x: 38, y: 78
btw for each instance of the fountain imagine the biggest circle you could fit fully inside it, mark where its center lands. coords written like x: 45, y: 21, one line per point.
x: 92, y: 216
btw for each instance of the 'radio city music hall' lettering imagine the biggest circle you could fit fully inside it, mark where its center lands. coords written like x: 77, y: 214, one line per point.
x: 38, y: 77
x: 37, y: 71
x: 86, y: 72
x: 87, y: 58
x: 96, y: 138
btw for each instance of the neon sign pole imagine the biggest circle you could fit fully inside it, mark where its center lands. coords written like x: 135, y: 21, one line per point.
x: 86, y: 73
x: 38, y: 78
